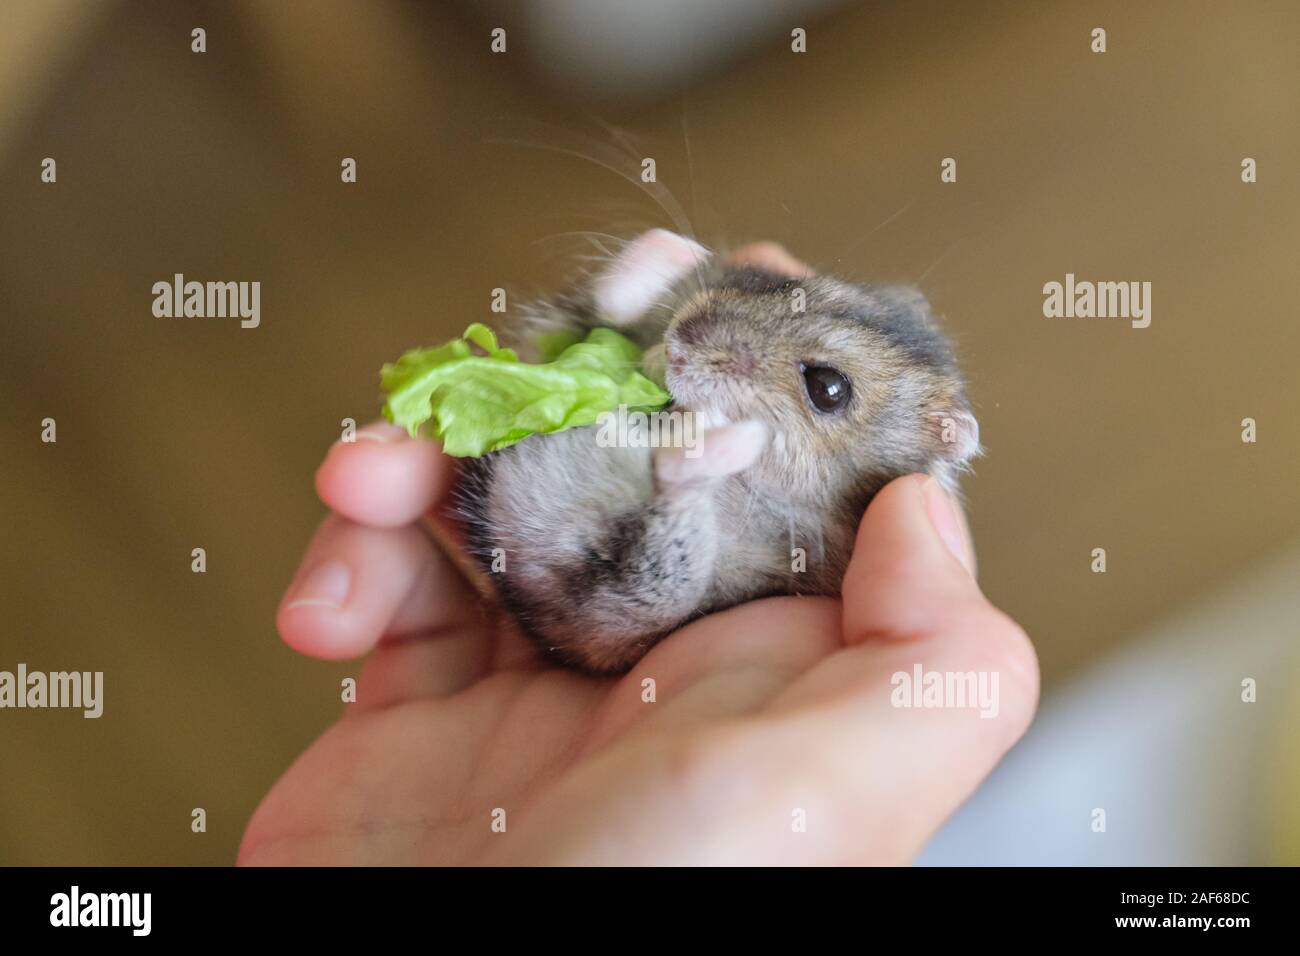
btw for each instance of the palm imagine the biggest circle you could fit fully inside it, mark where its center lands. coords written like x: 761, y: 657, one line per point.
x: 764, y: 715
x: 569, y: 756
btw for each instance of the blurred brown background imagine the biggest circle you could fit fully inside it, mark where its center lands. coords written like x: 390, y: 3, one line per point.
x: 183, y: 433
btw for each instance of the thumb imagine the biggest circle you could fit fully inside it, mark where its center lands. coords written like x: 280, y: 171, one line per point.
x: 933, y: 686
x: 912, y: 566
x: 910, y: 600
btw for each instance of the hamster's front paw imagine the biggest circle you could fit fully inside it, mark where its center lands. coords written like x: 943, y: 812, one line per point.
x: 722, y: 451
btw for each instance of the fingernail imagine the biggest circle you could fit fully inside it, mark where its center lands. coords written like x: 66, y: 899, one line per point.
x: 943, y: 515
x: 381, y: 432
x: 326, y: 586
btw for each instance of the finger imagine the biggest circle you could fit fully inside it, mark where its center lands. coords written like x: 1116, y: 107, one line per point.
x: 870, y: 726
x: 967, y: 549
x: 385, y: 478
x: 357, y: 585
x: 911, y: 543
x: 772, y: 257
x: 425, y: 666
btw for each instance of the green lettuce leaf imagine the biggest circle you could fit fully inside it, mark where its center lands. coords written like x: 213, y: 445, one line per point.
x: 479, y: 403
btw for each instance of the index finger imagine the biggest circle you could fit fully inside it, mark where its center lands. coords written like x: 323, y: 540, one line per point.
x: 385, y: 478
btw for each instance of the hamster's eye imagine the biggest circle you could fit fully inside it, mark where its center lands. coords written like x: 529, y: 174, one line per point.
x: 828, y: 388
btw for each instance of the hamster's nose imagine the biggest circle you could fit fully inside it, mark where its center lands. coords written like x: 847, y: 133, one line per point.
x: 700, y: 341
x: 735, y: 360
x: 731, y: 359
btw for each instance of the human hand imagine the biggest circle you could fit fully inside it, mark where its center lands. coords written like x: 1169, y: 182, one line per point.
x: 768, y: 714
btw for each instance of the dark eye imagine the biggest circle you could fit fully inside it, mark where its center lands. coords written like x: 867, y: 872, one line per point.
x: 828, y: 388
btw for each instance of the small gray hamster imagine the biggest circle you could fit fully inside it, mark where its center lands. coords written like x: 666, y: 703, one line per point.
x: 813, y: 393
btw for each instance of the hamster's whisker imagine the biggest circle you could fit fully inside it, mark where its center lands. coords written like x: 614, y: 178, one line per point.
x: 690, y: 160
x: 591, y: 236
x: 620, y: 136
x: 616, y: 164
x: 867, y: 235
x: 943, y: 255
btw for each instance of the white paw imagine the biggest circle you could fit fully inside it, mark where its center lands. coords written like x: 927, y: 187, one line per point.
x: 642, y: 273
x: 723, y: 451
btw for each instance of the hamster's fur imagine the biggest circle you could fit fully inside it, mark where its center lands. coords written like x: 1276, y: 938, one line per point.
x: 607, y: 550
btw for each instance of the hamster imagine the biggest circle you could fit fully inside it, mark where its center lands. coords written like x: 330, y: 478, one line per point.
x: 813, y: 393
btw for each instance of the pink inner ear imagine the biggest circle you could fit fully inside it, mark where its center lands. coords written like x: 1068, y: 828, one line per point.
x: 642, y: 273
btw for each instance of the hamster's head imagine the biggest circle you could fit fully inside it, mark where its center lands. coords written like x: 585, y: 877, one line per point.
x: 856, y: 383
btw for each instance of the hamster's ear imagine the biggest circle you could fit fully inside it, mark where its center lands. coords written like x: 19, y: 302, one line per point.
x: 905, y: 305
x: 906, y: 298
x: 956, y: 435
x: 642, y: 272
